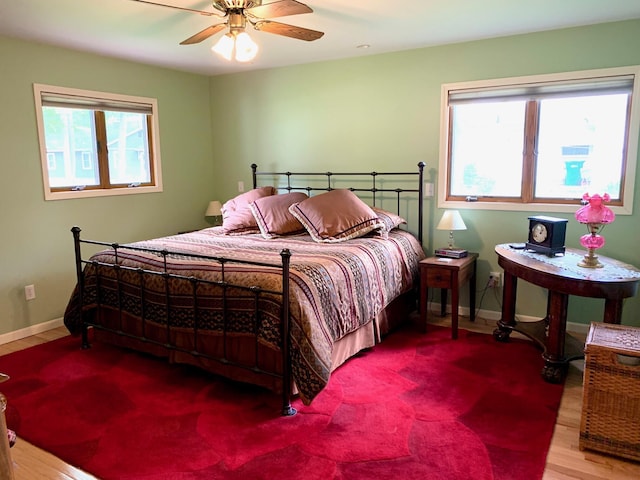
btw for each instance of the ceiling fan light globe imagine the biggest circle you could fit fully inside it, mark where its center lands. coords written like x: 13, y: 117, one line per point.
x: 246, y: 48
x: 224, y: 46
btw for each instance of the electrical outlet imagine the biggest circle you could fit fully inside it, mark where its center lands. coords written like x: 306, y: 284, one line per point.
x: 428, y: 189
x: 495, y: 280
x: 240, y: 186
x: 29, y: 292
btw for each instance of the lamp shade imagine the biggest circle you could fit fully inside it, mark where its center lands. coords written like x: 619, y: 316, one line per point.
x: 225, y: 46
x: 246, y: 49
x: 236, y: 44
x: 451, y: 220
x: 214, y: 209
x: 595, y: 211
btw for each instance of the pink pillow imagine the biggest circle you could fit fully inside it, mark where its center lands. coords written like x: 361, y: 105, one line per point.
x: 237, y: 218
x: 273, y: 217
x: 336, y: 216
x: 390, y: 220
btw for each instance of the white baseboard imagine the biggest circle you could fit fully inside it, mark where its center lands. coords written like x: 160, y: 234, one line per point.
x: 32, y: 330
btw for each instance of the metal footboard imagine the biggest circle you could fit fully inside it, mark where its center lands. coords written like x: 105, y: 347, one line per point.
x: 194, y: 284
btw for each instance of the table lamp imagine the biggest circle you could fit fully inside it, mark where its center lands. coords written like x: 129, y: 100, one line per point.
x: 214, y: 210
x: 451, y: 220
x: 595, y: 215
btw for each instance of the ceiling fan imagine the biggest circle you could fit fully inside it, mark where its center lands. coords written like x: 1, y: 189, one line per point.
x: 241, y: 12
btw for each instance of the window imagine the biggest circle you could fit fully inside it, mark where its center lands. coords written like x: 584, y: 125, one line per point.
x: 540, y: 142
x: 95, y: 144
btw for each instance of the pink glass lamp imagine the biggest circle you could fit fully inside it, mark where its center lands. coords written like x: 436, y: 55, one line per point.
x: 595, y: 215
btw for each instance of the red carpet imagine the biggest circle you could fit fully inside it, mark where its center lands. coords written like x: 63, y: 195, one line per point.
x: 415, y: 407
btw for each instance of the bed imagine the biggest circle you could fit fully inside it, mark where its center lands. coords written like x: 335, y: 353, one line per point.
x: 277, y: 306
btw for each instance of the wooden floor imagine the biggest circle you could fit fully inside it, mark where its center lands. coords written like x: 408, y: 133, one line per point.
x: 564, y: 461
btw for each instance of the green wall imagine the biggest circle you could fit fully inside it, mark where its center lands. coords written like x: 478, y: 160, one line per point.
x: 382, y: 112
x: 36, y: 244
x: 376, y: 112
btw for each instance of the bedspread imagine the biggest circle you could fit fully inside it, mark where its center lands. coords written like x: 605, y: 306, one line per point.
x: 334, y: 289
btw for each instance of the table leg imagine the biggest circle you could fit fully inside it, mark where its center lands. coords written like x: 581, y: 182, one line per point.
x: 612, y: 310
x: 455, y: 304
x: 443, y: 302
x: 423, y: 307
x: 472, y: 294
x: 508, y: 320
x: 555, y: 363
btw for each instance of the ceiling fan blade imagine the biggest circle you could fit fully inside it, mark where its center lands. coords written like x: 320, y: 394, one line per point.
x: 199, y: 12
x: 204, y: 34
x: 288, y: 30
x: 281, y: 8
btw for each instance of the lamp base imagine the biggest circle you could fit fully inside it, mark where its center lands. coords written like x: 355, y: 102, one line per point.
x: 590, y: 260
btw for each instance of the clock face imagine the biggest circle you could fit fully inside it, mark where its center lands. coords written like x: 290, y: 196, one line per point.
x: 539, y: 232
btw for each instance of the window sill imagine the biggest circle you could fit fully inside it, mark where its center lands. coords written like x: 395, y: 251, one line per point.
x: 523, y: 207
x: 66, y: 195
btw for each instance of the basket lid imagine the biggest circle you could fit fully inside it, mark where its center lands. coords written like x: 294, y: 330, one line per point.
x: 619, y: 337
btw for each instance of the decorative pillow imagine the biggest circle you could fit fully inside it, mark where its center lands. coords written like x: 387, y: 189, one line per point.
x: 390, y: 220
x: 237, y: 218
x: 336, y: 216
x: 273, y: 217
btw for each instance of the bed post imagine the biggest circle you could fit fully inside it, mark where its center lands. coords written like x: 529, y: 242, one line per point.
x: 80, y: 286
x: 287, y: 409
x: 254, y: 168
x: 421, y: 166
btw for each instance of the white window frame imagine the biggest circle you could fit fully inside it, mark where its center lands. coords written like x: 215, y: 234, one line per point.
x: 86, y: 161
x: 52, y: 163
x: 94, y: 97
x: 632, y: 146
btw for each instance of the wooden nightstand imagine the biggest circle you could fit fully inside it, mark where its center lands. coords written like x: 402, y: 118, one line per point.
x: 448, y: 274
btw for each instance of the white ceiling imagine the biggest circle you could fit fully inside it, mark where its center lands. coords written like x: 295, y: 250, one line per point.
x: 151, y: 34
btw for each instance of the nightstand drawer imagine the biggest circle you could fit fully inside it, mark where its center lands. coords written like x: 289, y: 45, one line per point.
x: 439, y: 278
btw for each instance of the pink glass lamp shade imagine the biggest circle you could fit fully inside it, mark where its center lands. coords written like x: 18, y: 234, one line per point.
x: 595, y: 215
x: 595, y: 211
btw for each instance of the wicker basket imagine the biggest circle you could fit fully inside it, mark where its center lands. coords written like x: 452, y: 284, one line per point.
x: 611, y: 391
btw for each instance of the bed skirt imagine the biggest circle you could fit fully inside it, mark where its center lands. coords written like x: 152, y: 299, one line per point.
x: 200, y: 351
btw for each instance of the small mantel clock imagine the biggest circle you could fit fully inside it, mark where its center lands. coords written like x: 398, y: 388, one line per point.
x: 547, y: 235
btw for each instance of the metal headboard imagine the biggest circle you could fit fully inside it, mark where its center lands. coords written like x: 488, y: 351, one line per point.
x: 375, y: 190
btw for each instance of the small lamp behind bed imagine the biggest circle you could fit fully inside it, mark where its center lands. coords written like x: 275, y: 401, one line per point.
x: 214, y: 210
